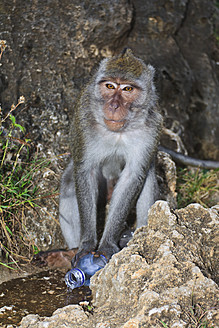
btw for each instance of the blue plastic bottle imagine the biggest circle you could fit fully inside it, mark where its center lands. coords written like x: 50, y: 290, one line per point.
x: 86, y: 267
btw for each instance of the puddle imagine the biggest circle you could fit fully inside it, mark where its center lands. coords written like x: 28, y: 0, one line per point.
x: 41, y: 293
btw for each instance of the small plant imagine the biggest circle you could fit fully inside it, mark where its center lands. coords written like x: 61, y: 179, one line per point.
x: 2, y: 47
x: 18, y: 193
x: 197, y: 186
x: 197, y: 315
x: 163, y: 324
x: 87, y: 307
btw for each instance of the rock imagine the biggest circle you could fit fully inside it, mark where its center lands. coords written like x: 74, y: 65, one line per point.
x: 166, y: 176
x: 60, y: 317
x: 167, y: 273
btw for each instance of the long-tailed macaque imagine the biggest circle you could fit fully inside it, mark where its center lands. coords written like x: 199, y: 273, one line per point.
x: 114, y: 135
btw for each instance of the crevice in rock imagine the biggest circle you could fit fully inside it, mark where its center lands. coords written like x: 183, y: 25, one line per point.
x: 123, y: 39
x: 132, y: 24
x: 208, y: 272
x: 183, y: 19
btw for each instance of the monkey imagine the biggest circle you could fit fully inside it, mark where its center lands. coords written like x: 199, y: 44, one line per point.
x: 114, y: 134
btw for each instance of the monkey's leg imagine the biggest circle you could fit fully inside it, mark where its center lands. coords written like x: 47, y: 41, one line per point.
x: 101, y: 205
x: 87, y: 186
x: 68, y: 209
x: 148, y: 196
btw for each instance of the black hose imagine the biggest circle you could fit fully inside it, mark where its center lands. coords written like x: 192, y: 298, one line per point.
x: 187, y: 160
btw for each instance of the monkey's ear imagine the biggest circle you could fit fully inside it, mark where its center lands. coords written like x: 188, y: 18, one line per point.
x: 127, y: 51
x: 151, y: 71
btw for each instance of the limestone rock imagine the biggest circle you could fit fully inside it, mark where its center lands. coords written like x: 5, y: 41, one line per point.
x: 167, y: 269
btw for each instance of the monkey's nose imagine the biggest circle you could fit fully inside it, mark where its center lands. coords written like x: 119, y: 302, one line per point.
x: 114, y: 106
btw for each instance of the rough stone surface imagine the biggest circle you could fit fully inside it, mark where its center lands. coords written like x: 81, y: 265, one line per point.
x: 166, y: 177
x: 168, y: 269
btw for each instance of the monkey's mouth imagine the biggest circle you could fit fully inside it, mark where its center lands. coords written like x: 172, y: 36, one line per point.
x: 114, y: 125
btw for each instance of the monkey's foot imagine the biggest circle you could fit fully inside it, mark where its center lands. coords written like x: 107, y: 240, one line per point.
x: 125, y: 237
x: 108, y: 250
x: 55, y: 258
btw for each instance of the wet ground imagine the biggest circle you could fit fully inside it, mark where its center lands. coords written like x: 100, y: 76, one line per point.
x: 41, y: 293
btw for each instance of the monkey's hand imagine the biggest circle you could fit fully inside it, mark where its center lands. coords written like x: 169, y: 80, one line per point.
x: 81, y: 254
x: 77, y: 257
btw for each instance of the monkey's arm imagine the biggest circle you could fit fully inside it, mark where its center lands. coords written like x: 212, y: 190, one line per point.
x: 187, y: 160
x: 125, y: 193
x: 86, y: 182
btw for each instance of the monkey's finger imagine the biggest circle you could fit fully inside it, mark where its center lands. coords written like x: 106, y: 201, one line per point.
x: 77, y: 257
x: 98, y: 254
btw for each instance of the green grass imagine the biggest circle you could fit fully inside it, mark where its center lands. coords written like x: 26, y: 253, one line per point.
x: 20, y: 197
x: 19, y: 164
x: 195, y: 317
x: 197, y: 186
x: 164, y: 324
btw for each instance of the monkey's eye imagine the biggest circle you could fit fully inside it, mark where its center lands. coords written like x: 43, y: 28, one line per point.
x: 128, y: 88
x: 110, y: 86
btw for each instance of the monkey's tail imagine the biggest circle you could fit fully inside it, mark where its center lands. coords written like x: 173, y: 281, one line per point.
x: 187, y: 160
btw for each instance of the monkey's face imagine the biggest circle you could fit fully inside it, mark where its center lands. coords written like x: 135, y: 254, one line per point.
x: 118, y: 96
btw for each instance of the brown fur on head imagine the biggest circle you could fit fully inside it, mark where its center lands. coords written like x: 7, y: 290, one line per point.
x: 126, y: 63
